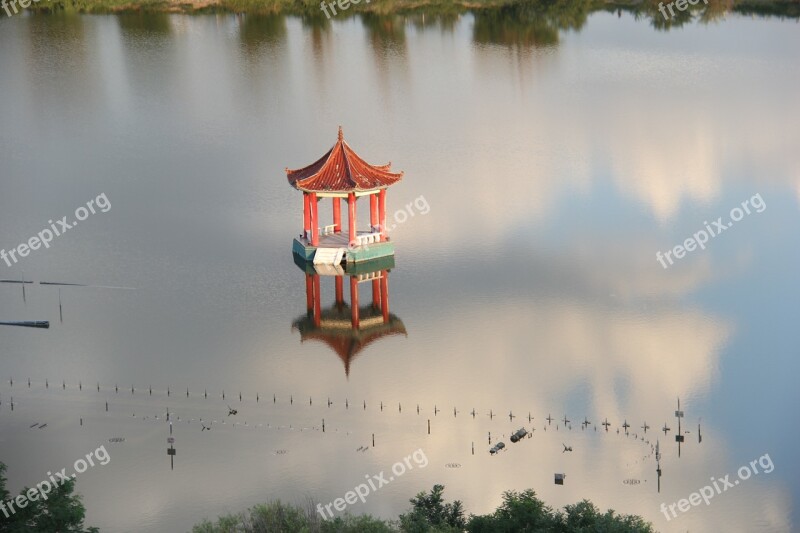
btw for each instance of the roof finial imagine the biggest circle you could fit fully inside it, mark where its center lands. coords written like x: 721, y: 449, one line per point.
x: 341, y: 135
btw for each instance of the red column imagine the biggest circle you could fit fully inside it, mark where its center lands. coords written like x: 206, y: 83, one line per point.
x: 354, y: 301
x: 339, y: 290
x: 373, y: 210
x: 351, y: 208
x: 382, y: 212
x: 317, y: 301
x: 337, y: 214
x: 314, y: 220
x: 309, y: 293
x: 306, y: 215
x: 385, y: 296
x: 376, y: 293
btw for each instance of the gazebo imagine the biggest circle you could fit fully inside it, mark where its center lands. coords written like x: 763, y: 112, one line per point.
x: 341, y: 173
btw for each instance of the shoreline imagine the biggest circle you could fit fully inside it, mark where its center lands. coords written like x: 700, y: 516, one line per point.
x: 311, y: 8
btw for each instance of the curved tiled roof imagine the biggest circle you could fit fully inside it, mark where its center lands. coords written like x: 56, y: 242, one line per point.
x: 342, y: 170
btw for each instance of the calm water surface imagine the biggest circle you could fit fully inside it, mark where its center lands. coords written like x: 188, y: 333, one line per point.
x: 554, y: 165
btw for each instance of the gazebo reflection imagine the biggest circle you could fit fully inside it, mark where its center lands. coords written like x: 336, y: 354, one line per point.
x: 348, y: 327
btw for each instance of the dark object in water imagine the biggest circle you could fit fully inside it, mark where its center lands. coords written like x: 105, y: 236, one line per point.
x: 521, y: 432
x: 496, y: 448
x: 28, y: 324
x: 560, y: 479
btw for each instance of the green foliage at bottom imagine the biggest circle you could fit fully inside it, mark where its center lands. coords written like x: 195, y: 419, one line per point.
x: 60, y: 511
x: 429, y: 513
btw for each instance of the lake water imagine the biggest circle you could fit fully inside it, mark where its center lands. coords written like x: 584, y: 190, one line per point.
x: 548, y: 167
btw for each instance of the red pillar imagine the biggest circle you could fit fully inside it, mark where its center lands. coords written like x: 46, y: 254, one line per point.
x: 337, y: 214
x: 351, y: 208
x: 385, y: 296
x: 382, y: 212
x: 309, y: 293
x: 373, y: 210
x: 376, y: 293
x: 354, y: 301
x: 317, y: 301
x: 339, y: 290
x: 314, y: 220
x: 306, y: 215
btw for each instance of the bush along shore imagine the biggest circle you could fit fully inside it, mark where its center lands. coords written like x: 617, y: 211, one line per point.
x: 429, y: 513
x: 530, y: 11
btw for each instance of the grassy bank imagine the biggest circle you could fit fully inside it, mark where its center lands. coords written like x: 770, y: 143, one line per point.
x: 262, y: 7
x: 311, y: 8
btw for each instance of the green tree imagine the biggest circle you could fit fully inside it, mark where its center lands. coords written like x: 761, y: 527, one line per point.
x: 277, y: 517
x: 429, y: 513
x: 520, y: 511
x: 62, y: 511
x: 584, y: 517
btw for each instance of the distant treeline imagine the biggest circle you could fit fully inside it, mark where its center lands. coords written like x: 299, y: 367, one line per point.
x: 520, y: 511
x: 534, y: 9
